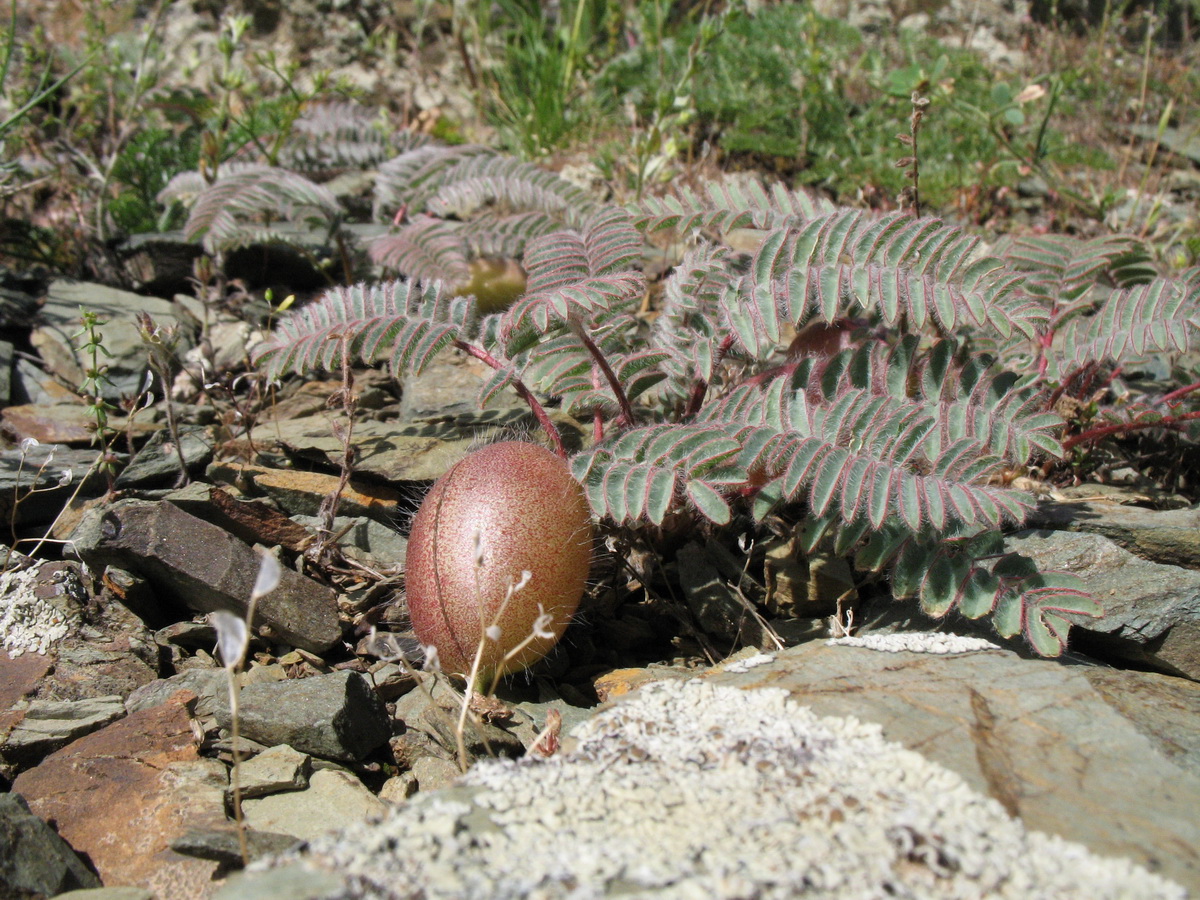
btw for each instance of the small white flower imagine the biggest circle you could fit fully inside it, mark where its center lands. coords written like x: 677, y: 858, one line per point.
x: 493, y: 633
x: 432, y: 662
x: 542, y: 625
x: 232, y: 637
x: 268, y: 575
x: 520, y: 585
x: 64, y: 478
x: 28, y: 444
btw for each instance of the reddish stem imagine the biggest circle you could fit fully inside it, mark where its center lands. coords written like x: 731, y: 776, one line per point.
x: 597, y: 416
x: 1044, y: 343
x: 700, y: 389
x: 1094, y: 434
x: 539, y: 411
x: 626, y: 416
x: 1179, y: 392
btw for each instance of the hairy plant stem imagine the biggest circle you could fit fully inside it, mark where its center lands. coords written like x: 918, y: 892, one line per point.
x: 700, y: 388
x: 160, y: 347
x: 1102, y: 431
x: 1176, y: 394
x: 539, y: 411
x: 625, y: 419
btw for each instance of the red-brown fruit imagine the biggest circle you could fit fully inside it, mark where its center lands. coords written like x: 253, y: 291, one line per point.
x: 517, y: 507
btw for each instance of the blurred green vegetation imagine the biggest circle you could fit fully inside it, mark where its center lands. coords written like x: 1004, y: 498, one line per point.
x: 793, y: 92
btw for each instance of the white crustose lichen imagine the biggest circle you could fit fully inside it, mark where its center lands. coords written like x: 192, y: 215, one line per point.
x: 27, y: 622
x: 695, y: 790
x: 916, y: 642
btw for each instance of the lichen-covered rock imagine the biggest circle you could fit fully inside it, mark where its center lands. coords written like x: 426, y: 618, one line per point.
x: 693, y: 789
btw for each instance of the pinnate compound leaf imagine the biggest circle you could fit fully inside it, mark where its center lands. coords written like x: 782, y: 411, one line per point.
x: 728, y: 205
x: 232, y: 211
x: 653, y: 460
x: 401, y: 321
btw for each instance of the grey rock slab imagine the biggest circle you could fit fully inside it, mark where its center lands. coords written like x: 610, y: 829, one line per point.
x: 296, y: 883
x: 1038, y: 736
x: 1166, y: 536
x: 449, y: 386
x: 6, y: 372
x: 277, y: 769
x: 158, y: 262
x: 365, y: 539
x: 46, y: 725
x: 390, y: 680
x: 222, y: 844
x: 40, y: 480
x: 480, y: 739
x: 1180, y: 140
x: 34, y: 860
x: 698, y: 789
x: 33, y: 384
x: 207, y: 569
x: 108, y: 893
x: 126, y: 359
x: 399, y: 788
x: 334, y: 799
x: 16, y: 308
x: 415, y: 451
x: 1151, y: 611
x: 207, y: 684
x: 434, y: 774
x: 336, y: 716
x: 157, y: 463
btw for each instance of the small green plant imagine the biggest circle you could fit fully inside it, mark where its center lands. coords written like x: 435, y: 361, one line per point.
x: 659, y: 140
x: 160, y: 343
x: 95, y: 381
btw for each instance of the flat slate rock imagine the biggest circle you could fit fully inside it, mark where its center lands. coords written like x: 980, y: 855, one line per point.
x: 121, y: 794
x: 336, y: 716
x: 416, y: 451
x: 1167, y: 536
x: 42, y: 479
x: 46, y: 725
x: 1103, y: 757
x: 126, y: 357
x: 206, y: 568
x: 334, y: 799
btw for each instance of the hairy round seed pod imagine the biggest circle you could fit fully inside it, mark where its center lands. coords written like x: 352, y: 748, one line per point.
x: 505, y: 510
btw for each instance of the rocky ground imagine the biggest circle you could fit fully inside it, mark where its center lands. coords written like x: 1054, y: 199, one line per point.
x: 115, y: 722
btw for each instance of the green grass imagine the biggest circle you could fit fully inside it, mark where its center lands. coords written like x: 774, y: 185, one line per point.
x: 789, y: 90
